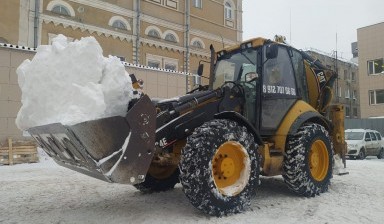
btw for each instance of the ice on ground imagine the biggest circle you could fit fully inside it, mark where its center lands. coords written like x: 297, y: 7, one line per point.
x: 70, y: 83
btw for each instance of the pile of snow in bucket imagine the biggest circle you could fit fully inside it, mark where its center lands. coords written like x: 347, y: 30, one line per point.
x: 71, y: 83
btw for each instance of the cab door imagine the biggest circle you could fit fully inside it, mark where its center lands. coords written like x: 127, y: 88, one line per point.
x: 279, y: 91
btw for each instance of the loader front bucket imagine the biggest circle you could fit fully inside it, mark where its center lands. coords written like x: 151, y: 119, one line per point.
x: 115, y: 149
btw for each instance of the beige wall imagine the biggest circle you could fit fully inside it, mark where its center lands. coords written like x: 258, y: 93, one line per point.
x: 10, y: 94
x: 9, y: 14
x: 370, y: 47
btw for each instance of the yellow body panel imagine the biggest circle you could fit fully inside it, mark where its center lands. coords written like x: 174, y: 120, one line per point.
x: 313, y: 86
x: 273, y: 150
x: 299, y: 108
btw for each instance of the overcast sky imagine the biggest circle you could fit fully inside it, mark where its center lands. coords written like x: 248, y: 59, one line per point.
x: 311, y: 23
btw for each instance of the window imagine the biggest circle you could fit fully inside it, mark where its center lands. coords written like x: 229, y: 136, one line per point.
x: 347, y: 111
x: 198, y: 4
x: 354, y: 94
x: 347, y: 93
x: 157, y: 61
x: 376, y: 97
x: 197, y: 44
x: 367, y: 137
x: 153, y: 64
x: 375, y: 66
x: 373, y: 136
x: 59, y: 9
x: 119, y: 25
x: 154, y: 33
x: 166, y: 3
x: 355, y: 112
x: 378, y: 136
x: 298, y: 65
x: 353, y: 76
x: 346, y: 75
x: 170, y: 37
x: 339, y: 91
x: 228, y: 11
x: 170, y: 66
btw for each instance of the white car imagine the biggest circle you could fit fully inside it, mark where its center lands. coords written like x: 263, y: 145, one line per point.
x: 364, y: 142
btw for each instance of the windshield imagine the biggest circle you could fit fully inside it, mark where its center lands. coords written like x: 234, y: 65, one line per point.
x: 354, y: 135
x: 229, y: 67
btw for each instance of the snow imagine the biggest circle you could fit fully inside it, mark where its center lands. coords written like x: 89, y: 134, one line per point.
x: 70, y: 83
x: 47, y: 193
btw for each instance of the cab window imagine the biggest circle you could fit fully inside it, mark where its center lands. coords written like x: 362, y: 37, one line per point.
x: 298, y: 66
x: 278, y: 76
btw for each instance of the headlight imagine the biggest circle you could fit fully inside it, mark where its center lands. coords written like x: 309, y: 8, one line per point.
x: 352, y: 146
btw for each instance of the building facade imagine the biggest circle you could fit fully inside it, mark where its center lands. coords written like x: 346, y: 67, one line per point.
x: 370, y: 41
x: 346, y: 86
x: 168, y: 34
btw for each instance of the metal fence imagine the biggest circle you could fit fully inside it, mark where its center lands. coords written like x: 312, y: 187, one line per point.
x: 374, y: 124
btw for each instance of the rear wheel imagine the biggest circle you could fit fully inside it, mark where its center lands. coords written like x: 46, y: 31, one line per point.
x: 381, y: 154
x: 307, y: 167
x: 219, y: 167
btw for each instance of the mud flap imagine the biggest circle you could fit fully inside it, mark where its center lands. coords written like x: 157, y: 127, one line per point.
x: 115, y: 149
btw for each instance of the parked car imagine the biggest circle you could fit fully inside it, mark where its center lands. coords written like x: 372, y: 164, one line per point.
x: 364, y: 142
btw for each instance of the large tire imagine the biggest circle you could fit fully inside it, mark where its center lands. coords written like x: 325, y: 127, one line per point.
x: 156, y: 184
x: 219, y: 167
x: 307, y: 167
x: 381, y: 154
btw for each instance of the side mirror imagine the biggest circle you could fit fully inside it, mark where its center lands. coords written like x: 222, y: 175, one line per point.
x: 200, y: 70
x: 271, y: 51
x: 367, y: 139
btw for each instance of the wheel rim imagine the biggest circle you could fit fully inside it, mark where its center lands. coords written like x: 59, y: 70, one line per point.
x: 319, y: 160
x: 231, y: 168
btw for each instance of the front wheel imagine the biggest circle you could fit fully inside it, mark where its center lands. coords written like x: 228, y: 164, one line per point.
x: 361, y: 155
x: 219, y: 167
x: 307, y: 167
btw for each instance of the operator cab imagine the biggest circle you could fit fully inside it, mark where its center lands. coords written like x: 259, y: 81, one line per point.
x: 268, y: 74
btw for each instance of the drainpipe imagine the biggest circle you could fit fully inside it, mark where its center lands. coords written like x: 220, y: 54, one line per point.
x: 138, y: 14
x: 187, y: 48
x: 36, y: 23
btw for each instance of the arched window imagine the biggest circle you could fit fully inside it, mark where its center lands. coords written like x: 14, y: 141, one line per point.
x: 197, y: 44
x: 228, y: 11
x: 59, y: 9
x: 119, y: 25
x: 119, y: 22
x: 153, y: 33
x: 170, y: 37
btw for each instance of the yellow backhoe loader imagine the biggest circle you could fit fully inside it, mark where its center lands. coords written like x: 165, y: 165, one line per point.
x: 266, y: 111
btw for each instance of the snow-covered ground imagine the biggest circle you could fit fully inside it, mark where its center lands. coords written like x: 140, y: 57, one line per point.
x: 47, y: 193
